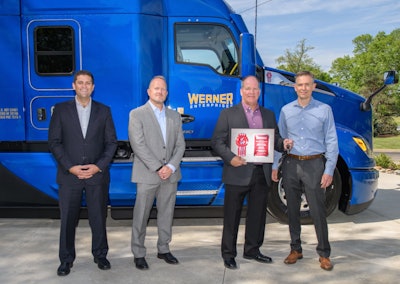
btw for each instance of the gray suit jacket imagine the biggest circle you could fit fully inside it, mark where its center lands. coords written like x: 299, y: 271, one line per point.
x: 148, y: 144
x: 235, y: 117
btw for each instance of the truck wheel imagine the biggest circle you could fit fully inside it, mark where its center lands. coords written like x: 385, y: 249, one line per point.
x: 277, y: 206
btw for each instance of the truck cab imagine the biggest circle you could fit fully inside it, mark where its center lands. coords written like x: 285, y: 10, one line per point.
x: 202, y: 47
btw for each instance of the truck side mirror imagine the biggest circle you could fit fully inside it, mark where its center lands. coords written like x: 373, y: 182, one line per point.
x: 247, y: 55
x: 389, y: 77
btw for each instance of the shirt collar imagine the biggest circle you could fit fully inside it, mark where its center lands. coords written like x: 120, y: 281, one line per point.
x: 248, y: 108
x: 80, y: 105
x: 154, y: 108
x: 311, y: 103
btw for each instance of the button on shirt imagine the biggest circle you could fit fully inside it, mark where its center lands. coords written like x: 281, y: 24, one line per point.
x: 84, y: 115
x: 312, y: 129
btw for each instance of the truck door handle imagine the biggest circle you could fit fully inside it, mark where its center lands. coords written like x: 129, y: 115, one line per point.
x: 187, y: 118
x: 41, y: 114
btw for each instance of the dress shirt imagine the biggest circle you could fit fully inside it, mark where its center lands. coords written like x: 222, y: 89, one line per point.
x: 162, y: 121
x: 312, y: 128
x: 254, y: 118
x: 84, y: 115
x: 160, y: 116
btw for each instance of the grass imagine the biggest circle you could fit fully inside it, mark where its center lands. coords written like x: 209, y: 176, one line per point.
x: 392, y: 142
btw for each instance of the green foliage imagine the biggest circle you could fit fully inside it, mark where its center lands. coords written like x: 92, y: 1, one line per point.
x: 372, y: 57
x: 386, y: 162
x: 299, y: 60
x: 363, y: 73
x: 384, y: 125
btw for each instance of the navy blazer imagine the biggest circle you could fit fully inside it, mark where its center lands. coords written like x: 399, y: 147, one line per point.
x: 235, y: 117
x: 70, y: 148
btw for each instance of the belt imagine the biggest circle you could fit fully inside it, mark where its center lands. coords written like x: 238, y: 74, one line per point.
x: 306, y: 158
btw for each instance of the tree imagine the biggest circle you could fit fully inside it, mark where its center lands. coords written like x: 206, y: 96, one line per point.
x: 299, y: 60
x: 372, y: 56
x: 362, y: 73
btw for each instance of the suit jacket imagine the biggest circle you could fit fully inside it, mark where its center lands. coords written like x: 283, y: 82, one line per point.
x: 148, y: 144
x: 70, y: 148
x: 235, y: 117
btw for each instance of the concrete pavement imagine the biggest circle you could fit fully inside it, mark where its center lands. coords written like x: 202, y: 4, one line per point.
x: 365, y: 249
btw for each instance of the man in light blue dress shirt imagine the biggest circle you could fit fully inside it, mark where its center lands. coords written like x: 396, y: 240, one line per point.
x: 310, y: 164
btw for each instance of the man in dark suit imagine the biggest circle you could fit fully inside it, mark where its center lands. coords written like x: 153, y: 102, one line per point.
x: 156, y: 137
x: 83, y: 141
x: 245, y: 179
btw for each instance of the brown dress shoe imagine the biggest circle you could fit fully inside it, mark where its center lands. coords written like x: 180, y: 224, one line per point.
x: 293, y: 257
x: 325, y: 263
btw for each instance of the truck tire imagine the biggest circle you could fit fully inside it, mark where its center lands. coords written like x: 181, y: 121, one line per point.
x: 277, y: 206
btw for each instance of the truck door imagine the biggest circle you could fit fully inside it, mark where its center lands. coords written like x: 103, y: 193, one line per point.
x: 53, y: 51
x: 204, y: 75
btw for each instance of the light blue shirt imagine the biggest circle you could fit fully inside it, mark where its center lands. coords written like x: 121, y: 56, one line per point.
x: 160, y: 115
x: 84, y: 115
x: 312, y: 129
x: 162, y: 121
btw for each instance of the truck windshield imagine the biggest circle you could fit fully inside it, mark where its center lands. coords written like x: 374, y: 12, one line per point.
x: 206, y: 44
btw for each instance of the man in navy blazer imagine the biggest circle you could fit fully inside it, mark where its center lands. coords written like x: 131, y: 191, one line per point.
x: 245, y: 179
x: 83, y: 141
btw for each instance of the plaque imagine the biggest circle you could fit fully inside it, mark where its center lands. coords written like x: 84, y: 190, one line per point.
x: 254, y: 145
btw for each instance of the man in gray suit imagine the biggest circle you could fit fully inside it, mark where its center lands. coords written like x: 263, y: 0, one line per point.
x: 156, y: 137
x: 245, y: 179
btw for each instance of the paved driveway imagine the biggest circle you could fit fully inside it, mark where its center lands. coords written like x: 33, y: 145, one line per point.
x: 365, y: 249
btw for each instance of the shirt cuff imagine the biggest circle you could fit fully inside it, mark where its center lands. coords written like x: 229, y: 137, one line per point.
x: 171, y: 167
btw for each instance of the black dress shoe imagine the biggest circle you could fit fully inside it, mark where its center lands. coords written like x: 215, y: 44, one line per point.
x: 64, y: 268
x: 230, y: 263
x: 168, y: 257
x: 259, y: 257
x: 141, y: 263
x: 102, y: 263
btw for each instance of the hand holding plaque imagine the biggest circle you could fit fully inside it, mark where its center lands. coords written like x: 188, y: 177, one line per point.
x: 254, y: 145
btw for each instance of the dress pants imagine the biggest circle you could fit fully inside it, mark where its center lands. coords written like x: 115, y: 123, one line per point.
x: 165, y: 195
x: 305, y: 176
x: 70, y: 198
x: 256, y: 193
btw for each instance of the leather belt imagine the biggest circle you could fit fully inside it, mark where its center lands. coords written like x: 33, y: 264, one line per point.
x: 305, y: 158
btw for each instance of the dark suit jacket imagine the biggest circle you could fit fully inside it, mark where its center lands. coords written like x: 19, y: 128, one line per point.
x: 70, y: 148
x: 235, y: 117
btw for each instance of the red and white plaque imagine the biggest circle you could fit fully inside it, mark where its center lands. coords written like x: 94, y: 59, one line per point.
x: 254, y: 145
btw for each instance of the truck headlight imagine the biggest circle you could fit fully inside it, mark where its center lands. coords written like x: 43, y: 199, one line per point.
x: 363, y: 145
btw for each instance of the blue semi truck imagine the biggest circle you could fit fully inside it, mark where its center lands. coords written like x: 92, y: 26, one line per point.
x: 202, y: 48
